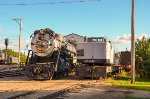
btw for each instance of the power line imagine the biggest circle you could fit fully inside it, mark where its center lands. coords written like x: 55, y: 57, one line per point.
x: 47, y: 3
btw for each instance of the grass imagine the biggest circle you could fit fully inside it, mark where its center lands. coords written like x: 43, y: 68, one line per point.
x: 140, y: 84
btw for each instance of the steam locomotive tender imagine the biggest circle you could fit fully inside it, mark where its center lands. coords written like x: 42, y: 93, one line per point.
x: 51, y: 55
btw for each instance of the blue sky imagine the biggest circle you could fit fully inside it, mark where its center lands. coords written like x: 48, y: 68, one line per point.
x: 111, y: 18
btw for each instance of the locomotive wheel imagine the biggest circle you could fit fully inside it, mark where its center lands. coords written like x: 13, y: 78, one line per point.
x: 51, y: 73
x: 47, y: 74
x: 40, y: 73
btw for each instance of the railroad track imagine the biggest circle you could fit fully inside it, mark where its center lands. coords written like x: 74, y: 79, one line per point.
x: 59, y: 93
x: 10, y: 73
x: 8, y: 68
x: 52, y: 94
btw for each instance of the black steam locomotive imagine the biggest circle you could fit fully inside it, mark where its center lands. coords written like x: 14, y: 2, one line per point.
x: 51, y: 55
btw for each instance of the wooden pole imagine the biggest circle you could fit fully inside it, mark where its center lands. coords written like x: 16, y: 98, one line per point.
x: 132, y: 45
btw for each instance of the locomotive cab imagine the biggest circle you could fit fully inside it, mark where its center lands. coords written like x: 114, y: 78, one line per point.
x: 97, y: 50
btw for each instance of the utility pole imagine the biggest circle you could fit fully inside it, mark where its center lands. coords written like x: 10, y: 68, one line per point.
x: 19, y: 21
x: 132, y: 45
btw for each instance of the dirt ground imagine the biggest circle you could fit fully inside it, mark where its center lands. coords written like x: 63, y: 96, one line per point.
x: 102, y: 91
x: 89, y: 89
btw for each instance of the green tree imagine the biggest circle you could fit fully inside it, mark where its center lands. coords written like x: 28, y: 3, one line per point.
x: 10, y: 52
x: 142, y: 57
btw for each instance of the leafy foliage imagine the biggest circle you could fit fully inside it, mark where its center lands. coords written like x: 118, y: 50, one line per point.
x: 10, y: 52
x: 142, y: 57
x: 124, y: 74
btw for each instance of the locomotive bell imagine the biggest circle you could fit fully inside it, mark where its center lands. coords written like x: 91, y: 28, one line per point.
x: 41, y: 32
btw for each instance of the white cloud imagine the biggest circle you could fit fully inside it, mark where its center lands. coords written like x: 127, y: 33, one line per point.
x: 143, y: 35
x: 126, y: 38
x: 2, y: 46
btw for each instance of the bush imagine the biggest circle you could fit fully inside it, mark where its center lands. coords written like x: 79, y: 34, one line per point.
x: 124, y: 74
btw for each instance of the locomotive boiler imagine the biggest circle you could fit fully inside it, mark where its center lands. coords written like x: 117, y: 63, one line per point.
x: 51, y: 55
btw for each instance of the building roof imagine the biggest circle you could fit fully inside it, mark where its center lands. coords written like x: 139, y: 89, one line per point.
x: 74, y: 34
